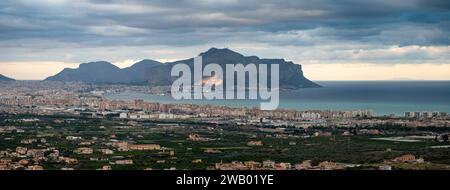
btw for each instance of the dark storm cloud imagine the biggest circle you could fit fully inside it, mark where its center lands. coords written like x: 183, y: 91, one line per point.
x: 98, y: 23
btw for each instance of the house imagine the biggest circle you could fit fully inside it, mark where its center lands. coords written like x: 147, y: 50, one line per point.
x: 144, y: 147
x: 124, y: 162
x: 252, y: 164
x: 106, y: 167
x: 254, y: 143
x: 327, y: 165
x: 268, y: 164
x: 107, y: 151
x: 121, y: 146
x: 68, y: 160
x: 123, y: 115
x: 405, y: 158
x: 305, y: 165
x: 283, y: 166
x: 385, y: 167
x: 235, y: 165
x: 21, y: 150
x: 35, y: 167
x: 84, y: 150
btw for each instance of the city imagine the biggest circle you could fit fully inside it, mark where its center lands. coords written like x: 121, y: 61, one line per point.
x: 72, y: 126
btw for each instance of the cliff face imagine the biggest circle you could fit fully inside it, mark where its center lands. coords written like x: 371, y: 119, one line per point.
x: 291, y: 75
x: 158, y: 74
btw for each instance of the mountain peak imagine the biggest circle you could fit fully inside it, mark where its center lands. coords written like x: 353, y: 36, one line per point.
x: 147, y: 61
x: 98, y: 64
x: 225, y: 55
x: 220, y: 52
x: 143, y: 64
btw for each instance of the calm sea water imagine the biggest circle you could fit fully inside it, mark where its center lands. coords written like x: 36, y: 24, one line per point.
x: 383, y: 97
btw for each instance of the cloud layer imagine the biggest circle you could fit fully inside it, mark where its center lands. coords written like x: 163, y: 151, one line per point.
x: 319, y: 31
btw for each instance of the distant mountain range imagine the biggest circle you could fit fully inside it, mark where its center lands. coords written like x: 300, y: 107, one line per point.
x: 105, y: 72
x: 3, y: 78
x: 158, y: 74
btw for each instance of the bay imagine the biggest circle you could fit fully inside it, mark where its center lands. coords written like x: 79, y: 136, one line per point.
x: 383, y: 97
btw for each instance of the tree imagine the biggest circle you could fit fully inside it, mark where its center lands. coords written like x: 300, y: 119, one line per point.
x: 445, y: 138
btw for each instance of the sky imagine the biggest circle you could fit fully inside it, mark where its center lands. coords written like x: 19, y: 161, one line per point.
x: 332, y: 40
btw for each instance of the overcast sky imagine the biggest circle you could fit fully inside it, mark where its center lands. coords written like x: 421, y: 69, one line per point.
x: 333, y: 40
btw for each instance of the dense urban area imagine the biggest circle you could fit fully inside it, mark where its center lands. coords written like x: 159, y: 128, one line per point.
x: 67, y: 126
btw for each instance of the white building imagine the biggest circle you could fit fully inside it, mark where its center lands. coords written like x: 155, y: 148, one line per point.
x: 123, y: 115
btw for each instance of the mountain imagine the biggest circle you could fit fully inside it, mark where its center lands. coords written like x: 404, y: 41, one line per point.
x: 101, y: 72
x: 139, y: 72
x: 3, y: 78
x: 291, y: 75
x: 158, y: 74
x: 105, y: 72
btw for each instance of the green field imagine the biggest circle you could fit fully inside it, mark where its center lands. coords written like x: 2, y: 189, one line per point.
x: 230, y: 142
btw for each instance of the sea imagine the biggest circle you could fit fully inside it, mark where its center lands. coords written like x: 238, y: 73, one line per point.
x: 382, y: 97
